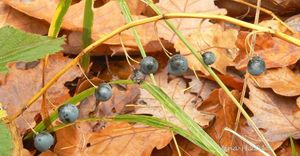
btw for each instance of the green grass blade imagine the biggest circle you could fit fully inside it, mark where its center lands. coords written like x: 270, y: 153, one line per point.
x: 126, y: 12
x: 57, y: 19
x: 294, y: 152
x: 212, y: 73
x: 194, y: 128
x: 159, y: 123
x: 74, y: 100
x: 87, y: 31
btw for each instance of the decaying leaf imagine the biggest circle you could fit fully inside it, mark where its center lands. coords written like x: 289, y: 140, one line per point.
x: 175, y: 88
x: 115, y: 139
x: 277, y: 116
x: 21, y: 85
x: 282, y: 80
x: 274, y: 51
x: 10, y: 16
x: 221, y: 42
x: 186, y: 26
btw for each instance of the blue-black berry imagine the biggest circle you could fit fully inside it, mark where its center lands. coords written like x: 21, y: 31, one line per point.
x: 209, y: 58
x: 256, y: 66
x: 149, y: 65
x: 177, y: 65
x: 137, y: 76
x: 43, y: 141
x: 103, y: 92
x: 68, y: 113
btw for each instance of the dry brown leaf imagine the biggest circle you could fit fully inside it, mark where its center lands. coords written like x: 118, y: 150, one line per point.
x: 273, y: 24
x: 239, y: 147
x: 116, y: 105
x: 103, y: 21
x: 10, y: 16
x: 219, y: 104
x: 274, y: 51
x: 186, y: 26
x: 278, y: 117
x: 212, y: 36
x: 202, y: 87
x: 115, y: 139
x: 176, y: 90
x: 282, y: 80
x: 21, y: 85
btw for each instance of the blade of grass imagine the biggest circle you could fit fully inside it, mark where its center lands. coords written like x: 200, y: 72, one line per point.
x: 87, y: 31
x: 57, y: 19
x: 212, y: 73
x: 74, y: 100
x: 126, y: 12
x: 194, y: 128
x: 294, y: 152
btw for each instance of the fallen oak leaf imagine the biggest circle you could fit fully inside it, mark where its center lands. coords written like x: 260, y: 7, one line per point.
x: 215, y: 39
x: 116, y: 138
x: 10, y: 16
x: 277, y: 116
x: 282, y: 80
x: 20, y: 85
x: 219, y: 104
x: 185, y: 26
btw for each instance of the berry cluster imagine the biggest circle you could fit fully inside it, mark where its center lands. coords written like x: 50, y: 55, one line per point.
x: 177, y: 65
x: 69, y: 113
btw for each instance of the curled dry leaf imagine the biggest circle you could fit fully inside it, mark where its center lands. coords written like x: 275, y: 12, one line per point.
x: 214, y: 38
x: 274, y: 51
x: 278, y: 117
x: 21, y: 85
x: 175, y: 88
x: 103, y: 21
x: 115, y: 139
x: 282, y: 80
x: 186, y: 26
x: 10, y: 16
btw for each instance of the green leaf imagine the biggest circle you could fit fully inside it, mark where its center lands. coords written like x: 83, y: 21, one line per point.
x: 17, y: 45
x: 6, y: 143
